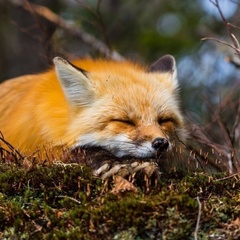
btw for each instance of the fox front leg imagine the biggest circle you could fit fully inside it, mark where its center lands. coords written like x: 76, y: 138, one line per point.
x: 131, y: 170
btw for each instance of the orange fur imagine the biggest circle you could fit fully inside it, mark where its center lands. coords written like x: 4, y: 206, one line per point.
x: 123, y: 102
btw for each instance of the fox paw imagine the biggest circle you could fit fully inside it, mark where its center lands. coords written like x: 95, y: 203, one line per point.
x: 130, y: 170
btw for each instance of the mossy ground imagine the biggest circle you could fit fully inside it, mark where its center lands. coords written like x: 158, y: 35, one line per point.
x: 67, y: 202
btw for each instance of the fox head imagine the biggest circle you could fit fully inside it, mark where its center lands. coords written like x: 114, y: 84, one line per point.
x: 123, y: 108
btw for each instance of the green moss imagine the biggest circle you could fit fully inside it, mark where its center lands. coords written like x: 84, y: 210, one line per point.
x: 66, y: 202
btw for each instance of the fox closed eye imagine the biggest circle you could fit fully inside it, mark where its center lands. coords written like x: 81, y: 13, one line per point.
x: 162, y: 121
x: 125, y: 121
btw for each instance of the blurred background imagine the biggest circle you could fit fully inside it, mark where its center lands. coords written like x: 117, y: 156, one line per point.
x: 142, y: 31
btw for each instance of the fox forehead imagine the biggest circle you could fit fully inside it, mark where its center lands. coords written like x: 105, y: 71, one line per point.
x: 141, y: 95
x: 130, y: 79
x: 122, y: 74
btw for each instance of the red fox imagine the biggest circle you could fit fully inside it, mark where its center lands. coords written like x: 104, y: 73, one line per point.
x: 121, y: 107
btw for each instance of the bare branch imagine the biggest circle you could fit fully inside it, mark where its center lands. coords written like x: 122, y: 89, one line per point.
x: 234, y: 26
x: 232, y: 136
x: 69, y: 27
x: 14, y: 150
x: 70, y: 198
x: 102, y: 25
x: 235, y: 41
x: 223, y: 42
x: 198, y: 219
x: 225, y: 22
x: 235, y: 134
x: 230, y: 176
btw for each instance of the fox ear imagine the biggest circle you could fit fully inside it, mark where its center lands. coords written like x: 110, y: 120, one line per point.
x: 165, y: 64
x: 76, y: 85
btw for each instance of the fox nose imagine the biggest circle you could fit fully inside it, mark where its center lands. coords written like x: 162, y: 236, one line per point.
x: 160, y: 144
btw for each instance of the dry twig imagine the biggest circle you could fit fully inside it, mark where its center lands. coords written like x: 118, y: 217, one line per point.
x: 198, y: 219
x: 13, y: 151
x: 69, y: 27
x: 232, y: 136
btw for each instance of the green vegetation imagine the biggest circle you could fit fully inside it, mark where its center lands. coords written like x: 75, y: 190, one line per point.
x: 66, y: 202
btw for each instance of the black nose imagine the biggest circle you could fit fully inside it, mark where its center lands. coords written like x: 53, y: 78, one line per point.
x: 160, y: 144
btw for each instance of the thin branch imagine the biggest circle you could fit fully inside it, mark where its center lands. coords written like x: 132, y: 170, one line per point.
x: 225, y: 178
x: 198, y: 219
x: 14, y: 150
x: 69, y: 27
x: 100, y: 22
x: 224, y: 130
x: 70, y: 198
x: 102, y: 25
x: 216, y: 4
x: 236, y: 126
x: 234, y: 26
x: 235, y: 41
x: 223, y: 42
x: 234, y: 133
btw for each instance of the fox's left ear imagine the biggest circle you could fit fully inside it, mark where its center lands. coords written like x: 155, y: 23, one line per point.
x: 165, y: 64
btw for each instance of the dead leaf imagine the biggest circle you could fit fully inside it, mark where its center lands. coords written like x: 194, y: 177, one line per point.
x: 122, y: 186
